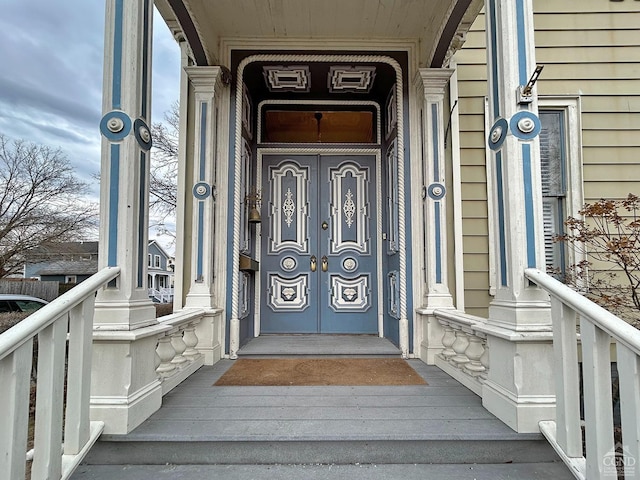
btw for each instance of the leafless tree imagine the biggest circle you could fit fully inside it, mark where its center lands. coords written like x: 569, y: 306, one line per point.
x: 164, y: 166
x: 41, y: 201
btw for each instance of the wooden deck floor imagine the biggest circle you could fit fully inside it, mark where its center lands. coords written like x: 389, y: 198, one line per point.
x: 439, y: 423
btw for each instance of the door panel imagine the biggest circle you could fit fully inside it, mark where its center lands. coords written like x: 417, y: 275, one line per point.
x: 318, y: 245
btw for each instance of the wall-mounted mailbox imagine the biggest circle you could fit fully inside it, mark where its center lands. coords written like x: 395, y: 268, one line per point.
x: 248, y: 264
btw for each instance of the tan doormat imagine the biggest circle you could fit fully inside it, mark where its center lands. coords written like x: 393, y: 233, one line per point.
x: 320, y: 371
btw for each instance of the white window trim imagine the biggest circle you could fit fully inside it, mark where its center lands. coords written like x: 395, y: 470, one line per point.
x: 571, y: 104
x: 157, y: 263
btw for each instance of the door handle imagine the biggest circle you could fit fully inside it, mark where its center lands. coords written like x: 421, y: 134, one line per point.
x: 325, y: 263
x: 314, y: 263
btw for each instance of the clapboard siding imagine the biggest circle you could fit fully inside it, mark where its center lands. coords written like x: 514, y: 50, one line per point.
x: 591, y: 50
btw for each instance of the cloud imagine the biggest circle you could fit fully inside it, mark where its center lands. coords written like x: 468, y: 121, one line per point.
x: 51, y: 76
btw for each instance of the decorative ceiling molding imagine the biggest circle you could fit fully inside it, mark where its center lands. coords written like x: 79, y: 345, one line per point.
x: 351, y: 79
x: 293, y: 78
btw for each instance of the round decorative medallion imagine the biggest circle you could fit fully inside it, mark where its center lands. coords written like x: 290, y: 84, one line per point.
x: 142, y: 133
x: 349, y: 264
x: 525, y: 125
x: 115, y: 125
x: 436, y: 191
x: 498, y: 133
x: 201, y: 190
x: 288, y: 263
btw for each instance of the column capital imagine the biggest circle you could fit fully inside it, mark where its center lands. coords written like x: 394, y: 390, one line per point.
x: 204, y: 79
x: 434, y: 80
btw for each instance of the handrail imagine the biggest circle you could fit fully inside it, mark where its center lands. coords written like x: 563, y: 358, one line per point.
x: 63, y: 329
x: 605, y: 320
x: 602, y: 458
x: 20, y: 333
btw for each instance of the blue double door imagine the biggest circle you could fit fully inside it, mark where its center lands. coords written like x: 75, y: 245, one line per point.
x: 319, y: 244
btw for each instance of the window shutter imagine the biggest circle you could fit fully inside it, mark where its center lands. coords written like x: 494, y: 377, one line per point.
x: 553, y: 185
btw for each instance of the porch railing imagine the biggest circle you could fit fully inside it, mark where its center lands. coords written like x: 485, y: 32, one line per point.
x: 59, y: 445
x: 599, y: 330
x: 162, y: 295
x: 176, y: 354
x: 465, y: 353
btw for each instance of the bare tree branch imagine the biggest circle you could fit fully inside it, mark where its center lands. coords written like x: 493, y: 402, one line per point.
x: 41, y: 201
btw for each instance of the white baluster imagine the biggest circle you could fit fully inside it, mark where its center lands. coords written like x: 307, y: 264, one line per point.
x: 474, y: 352
x: 179, y: 346
x: 484, y: 359
x: 447, y: 340
x: 460, y: 346
x: 191, y: 341
x: 165, y: 352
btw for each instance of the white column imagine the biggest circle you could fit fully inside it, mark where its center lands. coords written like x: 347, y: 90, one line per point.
x: 513, y: 139
x: 125, y: 390
x: 434, y: 82
x: 207, y: 84
x: 124, y: 177
x: 519, y: 388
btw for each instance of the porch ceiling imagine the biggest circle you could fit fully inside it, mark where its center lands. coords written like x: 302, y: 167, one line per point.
x: 433, y: 24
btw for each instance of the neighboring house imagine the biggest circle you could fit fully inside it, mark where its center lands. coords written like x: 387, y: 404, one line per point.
x: 67, y: 262
x: 160, y: 273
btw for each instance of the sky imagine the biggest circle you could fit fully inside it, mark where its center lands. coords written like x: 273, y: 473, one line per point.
x: 51, y: 56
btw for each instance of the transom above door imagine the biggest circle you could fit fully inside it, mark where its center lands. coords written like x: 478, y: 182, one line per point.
x: 319, y: 249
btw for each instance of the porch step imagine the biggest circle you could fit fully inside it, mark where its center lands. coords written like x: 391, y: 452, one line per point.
x: 439, y: 430
x: 318, y: 345
x: 518, y: 471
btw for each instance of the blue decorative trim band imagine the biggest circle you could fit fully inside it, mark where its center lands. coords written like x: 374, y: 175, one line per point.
x: 116, y: 81
x: 438, y: 241
x: 436, y: 146
x: 145, y: 60
x: 528, y: 205
x: 492, y: 21
x: 522, y: 43
x: 525, y: 125
x: 501, y: 220
x: 142, y: 220
x: 436, y: 191
x: 199, y: 259
x: 115, y: 126
x: 203, y: 139
x: 498, y: 134
x: 143, y: 134
x: 114, y: 194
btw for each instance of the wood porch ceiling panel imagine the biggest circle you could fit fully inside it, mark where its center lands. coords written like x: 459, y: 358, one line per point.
x: 430, y: 22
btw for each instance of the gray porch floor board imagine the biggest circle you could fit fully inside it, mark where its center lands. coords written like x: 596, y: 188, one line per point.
x: 439, y: 430
x: 522, y: 471
x: 441, y: 410
x: 309, y: 345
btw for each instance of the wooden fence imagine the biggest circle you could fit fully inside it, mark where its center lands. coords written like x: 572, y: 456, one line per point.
x: 46, y: 290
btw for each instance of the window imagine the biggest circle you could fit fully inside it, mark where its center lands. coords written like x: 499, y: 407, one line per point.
x: 156, y: 261
x: 150, y: 264
x: 70, y: 279
x: 326, y: 126
x: 560, y: 169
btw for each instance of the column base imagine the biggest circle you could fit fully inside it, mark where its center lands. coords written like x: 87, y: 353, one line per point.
x: 123, y: 315
x: 122, y: 414
x: 520, y: 412
x: 520, y: 388
x: 534, y: 316
x: 125, y: 389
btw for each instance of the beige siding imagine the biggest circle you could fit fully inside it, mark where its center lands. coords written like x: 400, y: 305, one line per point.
x: 590, y: 49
